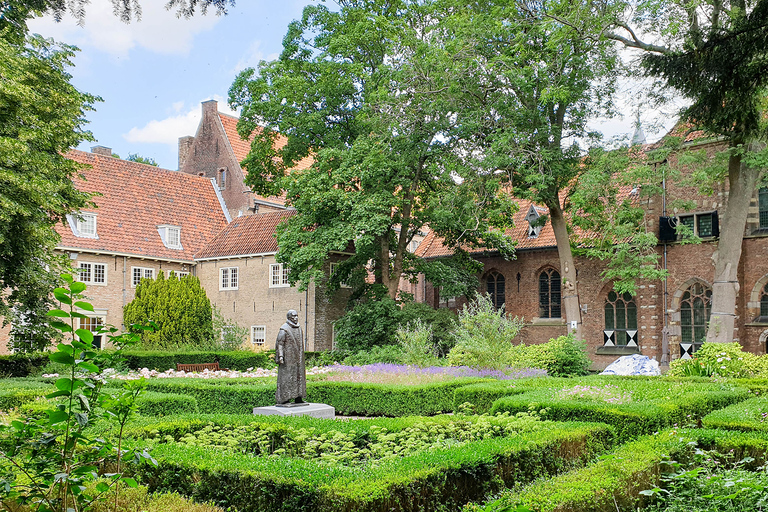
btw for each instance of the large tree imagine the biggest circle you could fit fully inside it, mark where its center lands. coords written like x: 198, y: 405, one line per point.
x: 714, y: 53
x: 370, y: 92
x: 537, y: 83
x: 41, y: 117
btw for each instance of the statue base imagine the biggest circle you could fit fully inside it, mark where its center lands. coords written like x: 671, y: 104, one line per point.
x: 304, y: 409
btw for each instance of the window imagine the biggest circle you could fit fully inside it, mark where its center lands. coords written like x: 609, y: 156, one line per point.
x: 278, y: 276
x: 334, y: 266
x: 701, y: 224
x: 620, y: 320
x: 549, y: 294
x: 258, y: 335
x: 450, y: 302
x: 221, y: 178
x: 762, y: 207
x: 177, y: 273
x: 93, y: 324
x: 92, y: 273
x: 764, y: 304
x: 695, y: 307
x: 83, y: 224
x: 228, y: 278
x: 496, y: 289
x: 139, y: 273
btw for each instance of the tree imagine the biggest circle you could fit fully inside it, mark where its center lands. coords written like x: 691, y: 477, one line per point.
x: 714, y: 53
x: 180, y: 309
x: 133, y: 157
x: 368, y: 91
x: 538, y: 83
x: 41, y: 117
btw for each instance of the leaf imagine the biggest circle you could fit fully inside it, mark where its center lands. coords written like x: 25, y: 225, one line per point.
x: 87, y: 365
x: 102, y: 487
x: 130, y: 482
x: 84, y: 403
x: 57, y: 416
x: 61, y: 357
x: 77, y: 287
x: 57, y: 394
x: 64, y: 384
x: 85, y: 335
x: 58, y: 312
x: 82, y: 419
x: 63, y: 327
x: 84, y: 305
x: 62, y: 295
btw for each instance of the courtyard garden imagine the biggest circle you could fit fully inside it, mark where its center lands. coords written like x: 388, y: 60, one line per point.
x: 527, y: 430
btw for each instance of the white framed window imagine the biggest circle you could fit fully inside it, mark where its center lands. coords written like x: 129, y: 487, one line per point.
x: 171, y: 236
x: 92, y: 273
x: 278, y: 276
x: 94, y: 323
x: 178, y: 273
x: 228, y: 278
x: 139, y: 273
x: 83, y: 224
x: 258, y: 335
x: 334, y: 266
x: 703, y: 225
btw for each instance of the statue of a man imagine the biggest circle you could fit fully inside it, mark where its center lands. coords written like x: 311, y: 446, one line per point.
x: 289, y: 354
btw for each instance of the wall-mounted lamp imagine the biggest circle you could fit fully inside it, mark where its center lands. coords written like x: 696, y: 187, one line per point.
x: 73, y: 255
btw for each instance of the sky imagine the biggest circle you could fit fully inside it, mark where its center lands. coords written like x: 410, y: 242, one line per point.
x: 153, y: 74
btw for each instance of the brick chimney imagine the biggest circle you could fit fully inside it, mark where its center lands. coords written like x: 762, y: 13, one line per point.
x: 185, y: 144
x: 210, y: 107
x: 101, y: 150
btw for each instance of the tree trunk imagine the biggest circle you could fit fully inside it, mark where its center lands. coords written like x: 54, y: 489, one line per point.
x: 742, y: 181
x: 569, y: 289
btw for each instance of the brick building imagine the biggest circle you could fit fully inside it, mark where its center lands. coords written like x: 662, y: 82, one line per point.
x: 667, y: 318
x: 147, y: 220
x: 241, y: 276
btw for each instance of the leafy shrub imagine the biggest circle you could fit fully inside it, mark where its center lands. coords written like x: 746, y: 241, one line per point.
x: 416, y: 344
x: 227, y: 334
x: 383, y: 354
x: 167, y: 360
x: 138, y: 498
x: 748, y: 415
x: 368, y: 324
x: 22, y: 365
x: 165, y: 404
x: 564, y: 356
x: 722, y: 359
x: 442, y: 321
x: 484, y: 336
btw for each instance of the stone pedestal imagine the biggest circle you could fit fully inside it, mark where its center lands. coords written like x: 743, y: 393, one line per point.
x: 308, y: 409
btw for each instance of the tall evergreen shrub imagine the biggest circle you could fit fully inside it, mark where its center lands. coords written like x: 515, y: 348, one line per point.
x: 179, y: 307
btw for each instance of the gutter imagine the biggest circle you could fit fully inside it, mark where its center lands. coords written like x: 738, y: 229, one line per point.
x: 124, y: 254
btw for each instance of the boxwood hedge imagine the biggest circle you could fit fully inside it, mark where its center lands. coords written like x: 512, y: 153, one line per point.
x: 164, y: 360
x: 635, y: 406
x: 436, y: 479
x: 746, y: 416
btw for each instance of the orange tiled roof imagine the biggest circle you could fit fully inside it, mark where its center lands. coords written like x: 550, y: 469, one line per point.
x: 432, y: 245
x: 135, y: 199
x: 251, y: 234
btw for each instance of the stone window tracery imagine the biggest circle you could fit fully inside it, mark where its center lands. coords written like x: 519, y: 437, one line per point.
x: 695, y: 308
x: 549, y: 294
x: 496, y: 289
x: 620, y: 320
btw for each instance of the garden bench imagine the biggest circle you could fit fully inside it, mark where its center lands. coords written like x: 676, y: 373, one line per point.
x: 199, y: 367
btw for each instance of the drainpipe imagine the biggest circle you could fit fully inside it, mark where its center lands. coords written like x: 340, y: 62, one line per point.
x: 665, y: 329
x: 306, y: 319
x: 124, y: 290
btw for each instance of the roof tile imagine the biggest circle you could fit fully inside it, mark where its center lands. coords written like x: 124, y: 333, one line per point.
x: 251, y: 234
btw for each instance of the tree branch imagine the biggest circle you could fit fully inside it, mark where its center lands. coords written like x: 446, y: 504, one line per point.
x: 635, y: 42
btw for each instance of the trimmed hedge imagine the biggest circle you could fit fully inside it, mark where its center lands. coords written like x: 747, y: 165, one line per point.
x: 348, y: 398
x: 15, y: 393
x: 745, y: 416
x: 615, y: 481
x: 428, y: 480
x: 482, y: 395
x: 656, y: 403
x: 165, y: 404
x: 164, y: 360
x: 22, y: 365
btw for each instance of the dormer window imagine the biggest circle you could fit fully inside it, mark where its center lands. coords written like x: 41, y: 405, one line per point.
x: 534, y: 222
x: 83, y: 224
x: 221, y: 178
x: 171, y: 236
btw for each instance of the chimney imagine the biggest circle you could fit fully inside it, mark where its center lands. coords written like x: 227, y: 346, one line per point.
x: 185, y: 144
x: 210, y: 107
x: 101, y: 150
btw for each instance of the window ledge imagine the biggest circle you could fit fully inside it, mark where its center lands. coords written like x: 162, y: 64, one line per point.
x: 617, y: 351
x: 547, y: 321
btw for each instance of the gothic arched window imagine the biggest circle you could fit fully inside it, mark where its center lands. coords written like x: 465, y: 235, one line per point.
x: 620, y: 319
x: 496, y: 289
x: 695, y: 307
x: 764, y: 304
x: 549, y: 293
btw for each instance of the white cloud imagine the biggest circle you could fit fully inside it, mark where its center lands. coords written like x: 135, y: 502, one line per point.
x: 168, y: 130
x: 159, y: 30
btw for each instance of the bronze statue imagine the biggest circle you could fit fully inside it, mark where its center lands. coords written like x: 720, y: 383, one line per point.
x: 289, y: 354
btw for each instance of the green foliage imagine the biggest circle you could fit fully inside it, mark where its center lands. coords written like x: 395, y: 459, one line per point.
x: 746, y: 416
x: 368, y: 324
x: 138, y: 498
x: 634, y: 406
x: 441, y: 321
x: 417, y: 345
x: 373, y: 92
x: 231, y: 334
x: 134, y: 157
x: 22, y: 365
x: 48, y: 460
x: 178, y: 307
x: 564, y: 356
x: 42, y: 117
x: 377, y: 354
x: 718, y: 359
x: 166, y: 360
x: 484, y: 336
x: 432, y: 479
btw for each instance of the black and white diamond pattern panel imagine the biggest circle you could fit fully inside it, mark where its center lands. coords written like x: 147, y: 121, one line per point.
x: 632, y: 338
x: 609, y: 338
x: 686, y: 350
